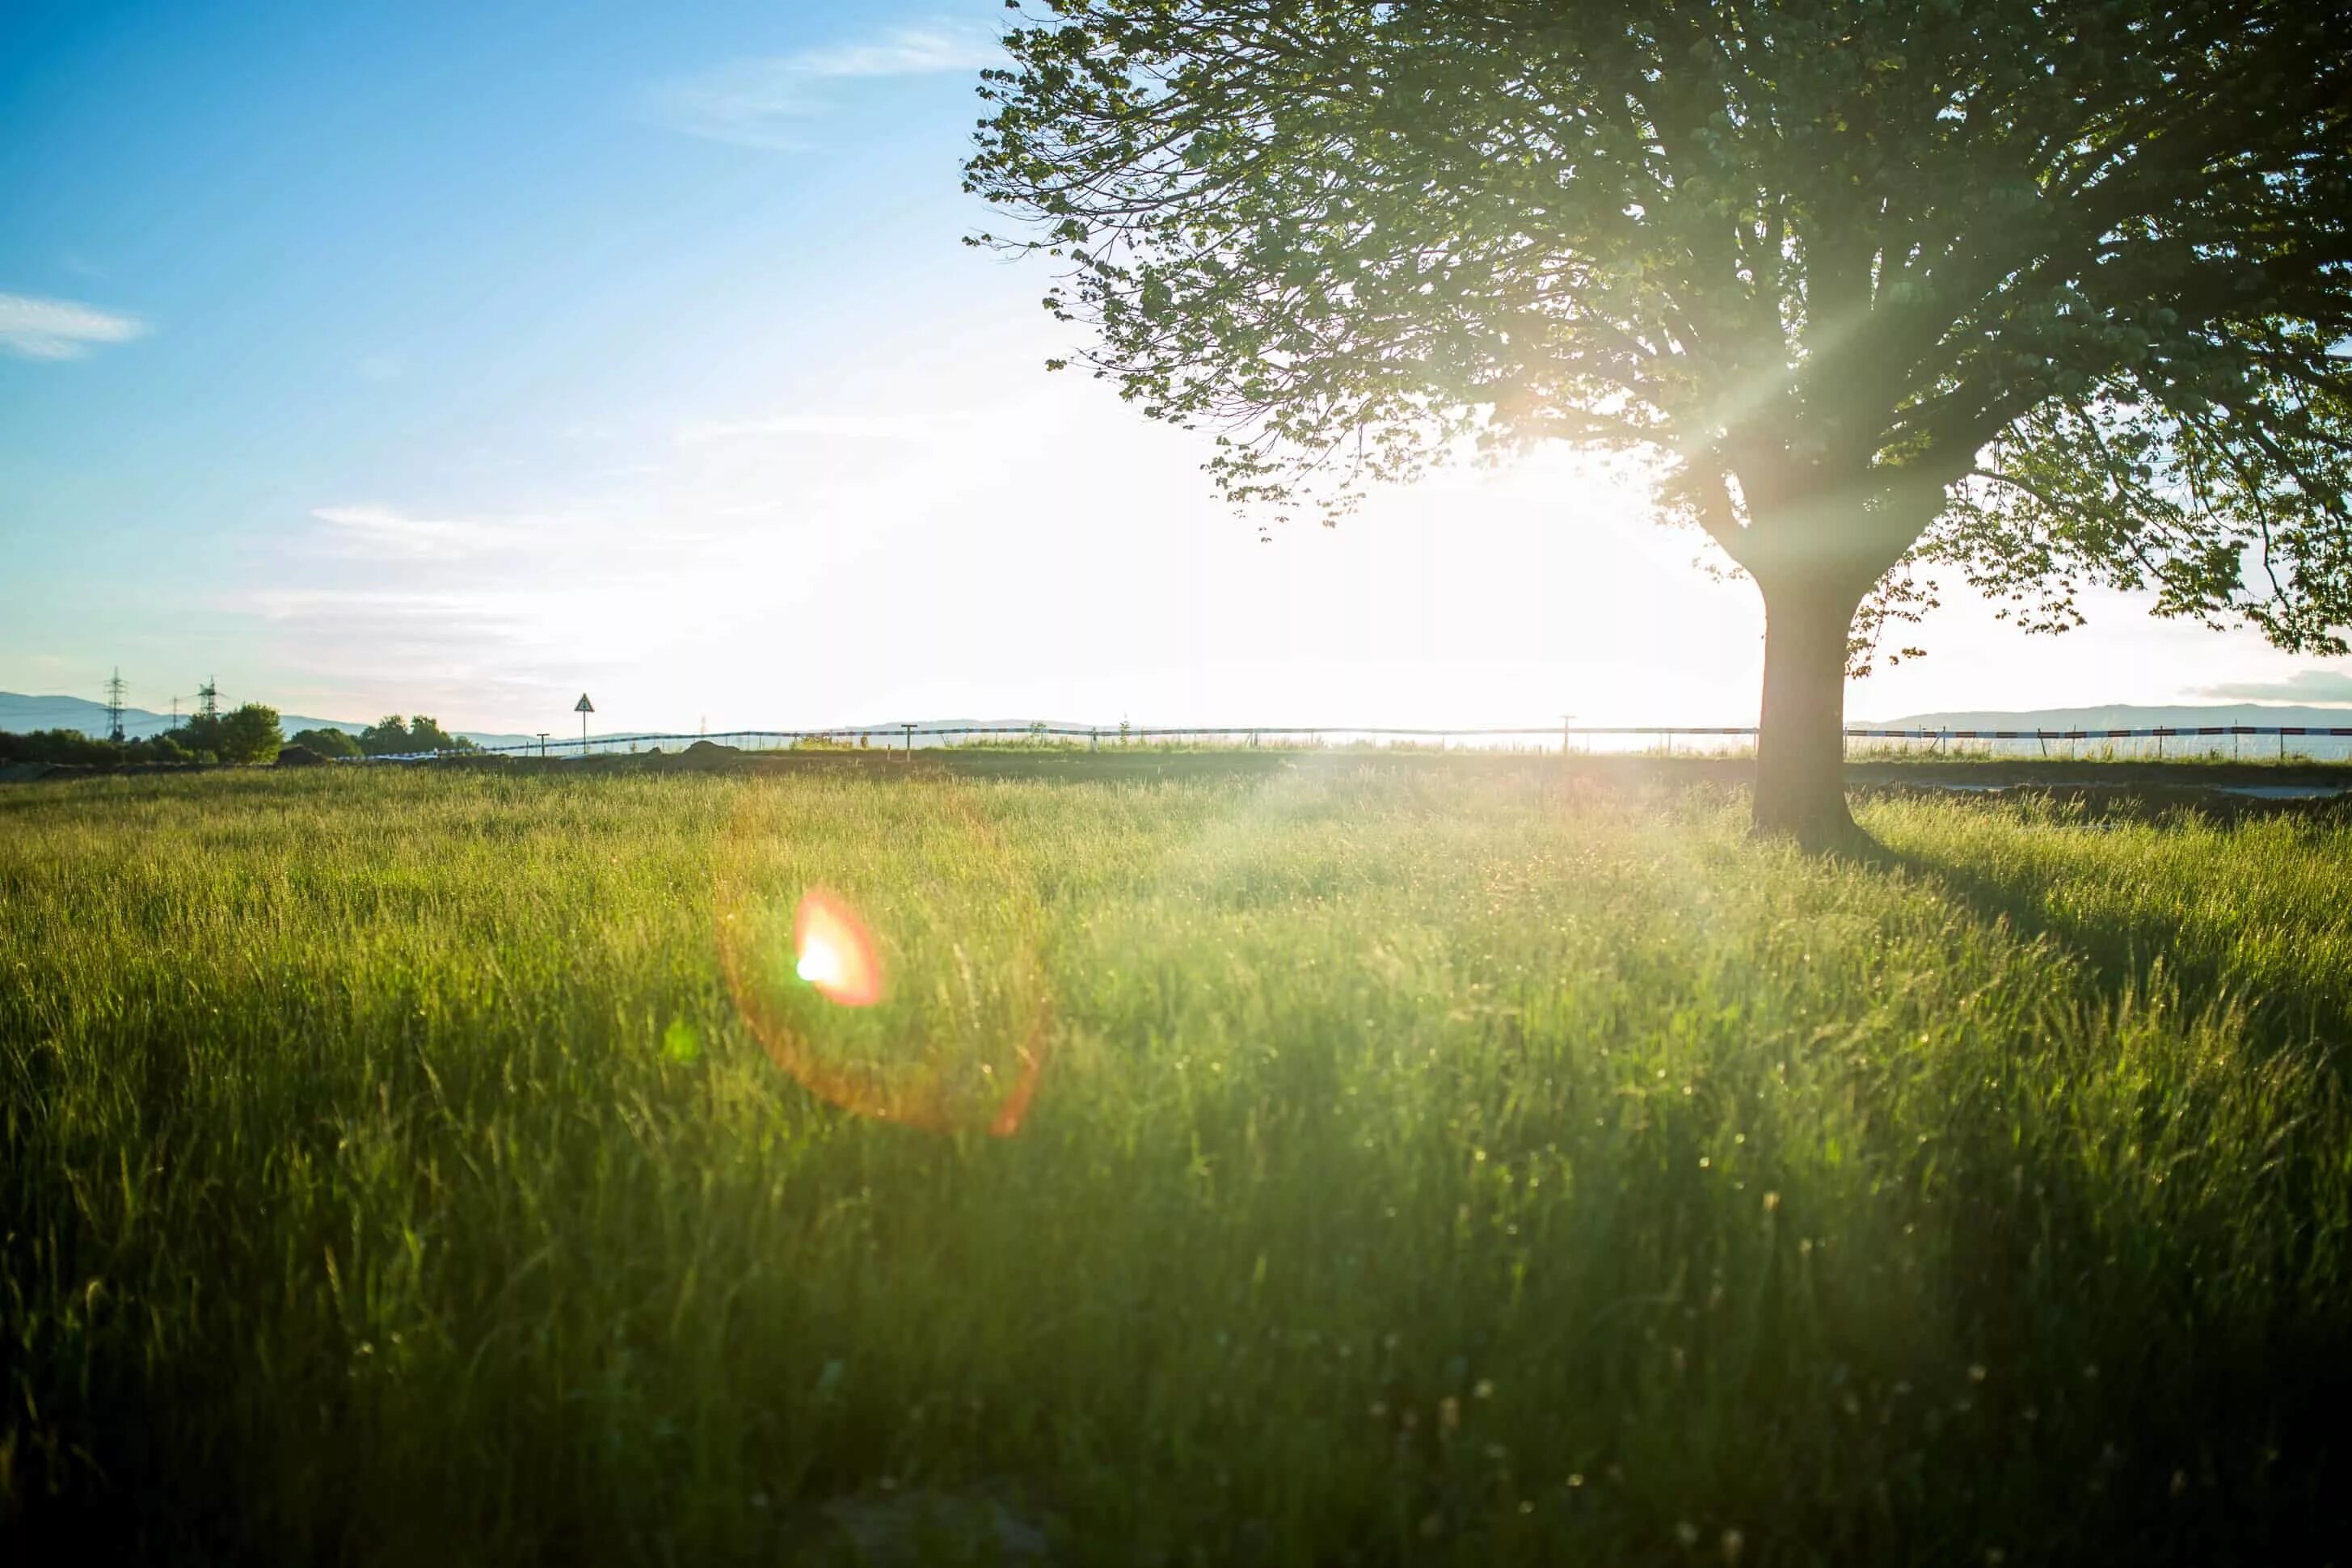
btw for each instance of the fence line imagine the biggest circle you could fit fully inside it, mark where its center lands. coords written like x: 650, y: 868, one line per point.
x: 896, y: 734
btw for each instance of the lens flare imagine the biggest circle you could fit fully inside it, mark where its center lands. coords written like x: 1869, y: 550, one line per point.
x: 835, y: 951
x: 884, y: 947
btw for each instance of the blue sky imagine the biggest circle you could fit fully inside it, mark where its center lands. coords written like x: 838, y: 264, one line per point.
x: 459, y: 357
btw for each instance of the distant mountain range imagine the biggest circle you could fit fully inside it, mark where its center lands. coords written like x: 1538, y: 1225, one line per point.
x: 2121, y: 716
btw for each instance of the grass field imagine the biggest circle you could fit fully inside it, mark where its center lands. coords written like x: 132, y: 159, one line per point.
x: 1430, y: 1161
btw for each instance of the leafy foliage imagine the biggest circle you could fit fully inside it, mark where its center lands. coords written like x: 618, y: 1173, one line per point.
x: 75, y: 749
x: 388, y: 736
x: 393, y: 735
x: 70, y: 746
x: 246, y: 734
x: 2053, y: 293
x: 249, y: 734
x: 327, y: 742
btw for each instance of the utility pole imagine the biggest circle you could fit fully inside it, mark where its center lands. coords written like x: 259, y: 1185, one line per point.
x: 542, y: 744
x: 114, y: 691
x: 208, y: 699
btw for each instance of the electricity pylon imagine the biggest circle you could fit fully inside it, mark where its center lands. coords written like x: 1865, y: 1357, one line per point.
x: 114, y: 691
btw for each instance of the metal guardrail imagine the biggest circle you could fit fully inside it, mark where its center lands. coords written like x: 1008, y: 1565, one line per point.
x: 907, y: 735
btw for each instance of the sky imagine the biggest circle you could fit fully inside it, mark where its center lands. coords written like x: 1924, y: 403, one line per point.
x: 461, y: 358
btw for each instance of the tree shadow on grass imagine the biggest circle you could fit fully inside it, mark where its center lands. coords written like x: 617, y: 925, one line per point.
x: 2151, y: 947
x: 2216, y: 1313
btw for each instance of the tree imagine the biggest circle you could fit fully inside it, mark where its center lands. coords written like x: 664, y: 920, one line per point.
x: 392, y: 736
x: 69, y: 746
x: 201, y: 734
x: 250, y: 734
x: 425, y: 735
x: 165, y: 748
x: 387, y: 737
x: 326, y: 742
x: 2047, y: 292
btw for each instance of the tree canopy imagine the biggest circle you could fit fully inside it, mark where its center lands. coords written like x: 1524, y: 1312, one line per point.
x: 249, y: 734
x: 2051, y: 293
x: 244, y: 734
x: 331, y: 743
x: 395, y: 735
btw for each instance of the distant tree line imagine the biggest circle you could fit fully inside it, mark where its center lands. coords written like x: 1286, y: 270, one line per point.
x: 72, y: 746
x: 248, y: 734
x: 391, y: 735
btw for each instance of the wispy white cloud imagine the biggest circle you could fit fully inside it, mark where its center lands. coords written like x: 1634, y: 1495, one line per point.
x: 662, y: 560
x: 2303, y: 686
x: 342, y: 603
x: 398, y: 649
x: 383, y: 532
x: 34, y: 328
x: 841, y: 427
x: 760, y: 102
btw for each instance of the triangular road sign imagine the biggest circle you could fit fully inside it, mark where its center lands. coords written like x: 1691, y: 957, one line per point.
x: 583, y: 705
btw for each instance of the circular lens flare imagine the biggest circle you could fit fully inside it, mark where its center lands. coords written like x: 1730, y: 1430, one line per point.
x: 881, y: 942
x: 836, y: 953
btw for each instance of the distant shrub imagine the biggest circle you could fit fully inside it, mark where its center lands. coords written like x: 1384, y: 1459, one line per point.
x: 393, y: 735
x: 70, y: 746
x: 250, y: 734
x: 74, y: 749
x: 246, y: 734
x: 326, y: 742
x: 165, y: 748
x: 425, y: 735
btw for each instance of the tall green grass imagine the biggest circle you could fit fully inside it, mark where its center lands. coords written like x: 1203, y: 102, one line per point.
x: 1437, y: 1163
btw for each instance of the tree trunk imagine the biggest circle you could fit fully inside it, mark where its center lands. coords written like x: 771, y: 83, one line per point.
x: 1800, y: 732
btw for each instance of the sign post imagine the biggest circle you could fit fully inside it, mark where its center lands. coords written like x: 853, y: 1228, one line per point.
x: 584, y: 708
